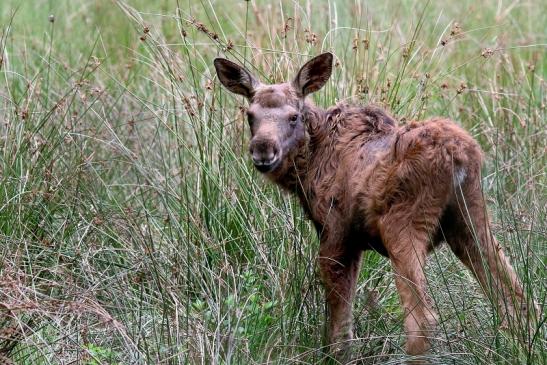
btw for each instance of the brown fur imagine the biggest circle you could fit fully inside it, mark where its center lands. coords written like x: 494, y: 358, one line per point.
x: 367, y: 183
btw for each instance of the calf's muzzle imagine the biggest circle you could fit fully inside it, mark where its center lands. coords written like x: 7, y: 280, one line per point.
x: 265, y: 154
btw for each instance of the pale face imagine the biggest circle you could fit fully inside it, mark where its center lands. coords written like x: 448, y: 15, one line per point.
x: 274, y: 113
x: 276, y: 125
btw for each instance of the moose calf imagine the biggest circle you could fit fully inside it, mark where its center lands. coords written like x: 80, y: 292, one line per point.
x: 367, y: 183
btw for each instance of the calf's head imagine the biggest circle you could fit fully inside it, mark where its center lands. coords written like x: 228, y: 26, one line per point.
x: 275, y: 111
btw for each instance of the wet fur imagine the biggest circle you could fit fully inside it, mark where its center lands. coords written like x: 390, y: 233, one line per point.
x: 368, y: 183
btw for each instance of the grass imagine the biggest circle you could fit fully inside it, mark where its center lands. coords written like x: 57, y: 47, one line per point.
x: 133, y: 228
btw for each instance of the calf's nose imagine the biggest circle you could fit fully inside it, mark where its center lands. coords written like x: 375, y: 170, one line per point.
x: 265, y: 155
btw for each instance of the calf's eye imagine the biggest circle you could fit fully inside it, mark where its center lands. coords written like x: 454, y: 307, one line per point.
x: 293, y: 118
x: 250, y: 118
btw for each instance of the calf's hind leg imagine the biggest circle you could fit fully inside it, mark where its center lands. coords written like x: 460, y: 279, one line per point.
x: 470, y: 239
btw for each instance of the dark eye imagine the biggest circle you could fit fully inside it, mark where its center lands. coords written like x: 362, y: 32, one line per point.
x: 293, y: 118
x: 250, y: 118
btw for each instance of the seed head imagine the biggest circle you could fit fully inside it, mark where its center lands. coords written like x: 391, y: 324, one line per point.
x: 286, y: 27
x: 311, y: 37
x: 456, y: 29
x: 461, y: 88
x: 487, y: 52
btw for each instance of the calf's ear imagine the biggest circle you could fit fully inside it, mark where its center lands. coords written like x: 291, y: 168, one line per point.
x: 235, y: 78
x: 313, y: 75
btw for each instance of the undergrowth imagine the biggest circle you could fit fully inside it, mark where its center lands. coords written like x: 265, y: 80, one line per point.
x: 133, y: 228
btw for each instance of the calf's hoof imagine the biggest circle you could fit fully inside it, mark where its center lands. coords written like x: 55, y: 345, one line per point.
x: 340, y: 348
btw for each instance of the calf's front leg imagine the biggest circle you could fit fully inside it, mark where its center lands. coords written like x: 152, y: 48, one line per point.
x: 339, y: 265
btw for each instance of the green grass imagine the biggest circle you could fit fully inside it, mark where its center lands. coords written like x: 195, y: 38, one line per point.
x: 133, y: 228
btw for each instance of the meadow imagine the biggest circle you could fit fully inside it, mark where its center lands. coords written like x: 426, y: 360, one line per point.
x: 135, y: 230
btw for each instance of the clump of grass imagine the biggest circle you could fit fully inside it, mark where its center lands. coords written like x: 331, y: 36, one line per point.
x: 133, y: 229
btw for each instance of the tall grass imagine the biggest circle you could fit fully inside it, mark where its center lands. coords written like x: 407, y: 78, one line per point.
x: 134, y: 230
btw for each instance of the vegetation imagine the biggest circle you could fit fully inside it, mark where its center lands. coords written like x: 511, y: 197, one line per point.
x: 133, y: 228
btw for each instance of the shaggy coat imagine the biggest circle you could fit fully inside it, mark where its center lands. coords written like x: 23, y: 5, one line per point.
x: 369, y: 184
